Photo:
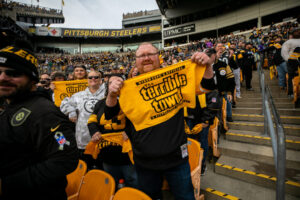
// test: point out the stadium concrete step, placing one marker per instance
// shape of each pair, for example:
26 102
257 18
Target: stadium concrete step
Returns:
259 104
260 118
216 186
258 94
258 111
257 173
289 112
255 83
292 142
258 153
259 99
289 129
273 88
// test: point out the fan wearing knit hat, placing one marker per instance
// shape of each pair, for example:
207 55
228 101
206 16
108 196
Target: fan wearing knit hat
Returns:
18 70
37 142
20 57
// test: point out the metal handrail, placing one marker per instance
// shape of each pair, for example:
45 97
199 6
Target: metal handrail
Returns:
277 137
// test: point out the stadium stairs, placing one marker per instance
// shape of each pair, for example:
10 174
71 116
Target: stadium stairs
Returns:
245 169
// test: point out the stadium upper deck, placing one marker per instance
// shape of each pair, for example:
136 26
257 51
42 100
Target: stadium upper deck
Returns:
185 21
179 24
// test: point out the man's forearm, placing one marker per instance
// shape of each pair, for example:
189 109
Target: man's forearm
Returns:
111 101
209 73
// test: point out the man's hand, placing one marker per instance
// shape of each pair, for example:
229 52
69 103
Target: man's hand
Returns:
202 59
125 137
229 97
204 125
114 86
96 137
219 54
52 86
73 119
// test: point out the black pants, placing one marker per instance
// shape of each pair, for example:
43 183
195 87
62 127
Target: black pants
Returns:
90 161
248 76
292 67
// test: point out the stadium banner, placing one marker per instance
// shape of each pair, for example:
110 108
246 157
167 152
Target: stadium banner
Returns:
160 94
65 89
110 33
179 30
48 31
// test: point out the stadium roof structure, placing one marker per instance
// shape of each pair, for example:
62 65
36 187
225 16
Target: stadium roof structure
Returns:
202 8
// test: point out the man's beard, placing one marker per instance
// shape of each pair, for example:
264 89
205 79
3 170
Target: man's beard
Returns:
19 92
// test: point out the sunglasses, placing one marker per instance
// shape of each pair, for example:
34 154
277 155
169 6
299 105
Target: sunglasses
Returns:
95 77
12 73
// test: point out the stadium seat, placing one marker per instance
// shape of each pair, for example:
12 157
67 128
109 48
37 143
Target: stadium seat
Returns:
296 88
213 137
273 72
128 193
96 185
266 64
195 160
224 114
75 178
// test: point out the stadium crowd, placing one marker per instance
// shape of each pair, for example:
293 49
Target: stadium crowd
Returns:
22 7
159 150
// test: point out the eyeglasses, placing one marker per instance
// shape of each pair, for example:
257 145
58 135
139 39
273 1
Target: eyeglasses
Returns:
12 73
95 77
145 55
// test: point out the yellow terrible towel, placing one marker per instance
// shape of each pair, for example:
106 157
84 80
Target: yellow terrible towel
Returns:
160 94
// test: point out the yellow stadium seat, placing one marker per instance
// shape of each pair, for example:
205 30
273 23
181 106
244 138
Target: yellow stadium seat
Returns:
296 88
96 185
224 114
266 64
213 137
195 161
74 179
128 193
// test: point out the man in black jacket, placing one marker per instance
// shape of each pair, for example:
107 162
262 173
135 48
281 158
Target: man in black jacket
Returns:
37 144
246 62
160 150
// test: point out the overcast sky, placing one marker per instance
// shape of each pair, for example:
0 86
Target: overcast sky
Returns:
98 14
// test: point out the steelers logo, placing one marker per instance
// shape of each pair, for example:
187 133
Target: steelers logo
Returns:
20 117
63 95
89 105
222 72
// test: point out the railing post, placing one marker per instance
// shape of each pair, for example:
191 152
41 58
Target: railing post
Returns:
272 133
280 183
278 141
263 87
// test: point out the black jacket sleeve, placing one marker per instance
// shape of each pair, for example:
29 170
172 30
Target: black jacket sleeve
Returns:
93 120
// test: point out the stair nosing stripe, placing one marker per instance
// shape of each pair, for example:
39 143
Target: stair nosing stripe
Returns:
296 184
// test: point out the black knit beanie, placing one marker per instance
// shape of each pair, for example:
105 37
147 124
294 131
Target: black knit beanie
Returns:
20 59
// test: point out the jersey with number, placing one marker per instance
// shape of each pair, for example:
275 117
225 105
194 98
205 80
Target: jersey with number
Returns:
110 152
224 57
